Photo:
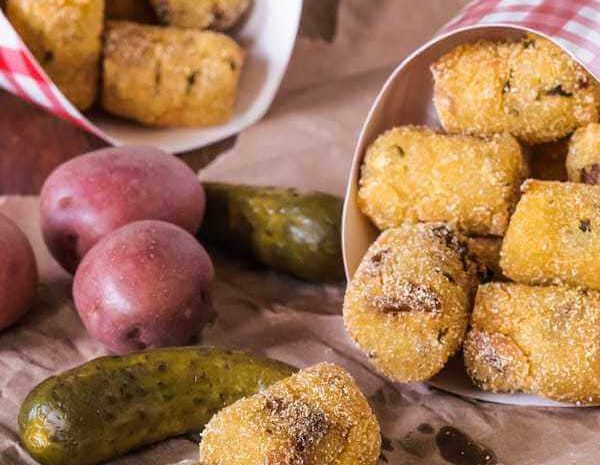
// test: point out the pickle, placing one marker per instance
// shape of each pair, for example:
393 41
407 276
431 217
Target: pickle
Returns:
111 405
284 229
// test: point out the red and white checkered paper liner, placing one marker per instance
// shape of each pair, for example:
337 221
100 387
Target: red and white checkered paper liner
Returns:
574 24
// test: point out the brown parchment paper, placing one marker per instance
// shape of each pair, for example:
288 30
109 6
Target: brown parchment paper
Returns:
307 141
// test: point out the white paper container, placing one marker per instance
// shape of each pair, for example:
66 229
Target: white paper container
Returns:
406 98
268 36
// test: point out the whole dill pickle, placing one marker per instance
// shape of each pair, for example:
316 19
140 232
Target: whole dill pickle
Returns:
293 232
111 405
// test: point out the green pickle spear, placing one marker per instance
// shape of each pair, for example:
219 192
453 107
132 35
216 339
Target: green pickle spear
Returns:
289 231
111 405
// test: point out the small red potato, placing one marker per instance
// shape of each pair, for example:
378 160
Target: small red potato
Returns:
90 196
18 273
144 285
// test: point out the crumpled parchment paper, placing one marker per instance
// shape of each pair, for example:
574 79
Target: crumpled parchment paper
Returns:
306 141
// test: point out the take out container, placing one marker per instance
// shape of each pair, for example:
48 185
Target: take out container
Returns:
406 98
268 35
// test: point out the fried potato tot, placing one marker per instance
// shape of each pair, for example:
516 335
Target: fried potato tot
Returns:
415 174
220 15
540 340
554 235
408 304
170 77
529 88
583 160
65 38
487 251
548 161
318 416
138 11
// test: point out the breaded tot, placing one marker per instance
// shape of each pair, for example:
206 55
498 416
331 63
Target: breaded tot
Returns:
65 38
583 160
415 174
170 77
540 340
487 251
408 304
529 88
138 11
316 417
548 161
220 15
554 235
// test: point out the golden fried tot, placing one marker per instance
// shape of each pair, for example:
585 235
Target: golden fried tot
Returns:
540 340
548 161
554 235
530 88
220 15
486 250
65 38
318 416
415 174
170 77
583 160
408 304
139 11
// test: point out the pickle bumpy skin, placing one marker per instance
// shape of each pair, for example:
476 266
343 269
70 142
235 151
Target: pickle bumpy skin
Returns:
293 232
111 405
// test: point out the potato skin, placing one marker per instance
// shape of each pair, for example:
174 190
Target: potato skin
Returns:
408 304
111 405
414 174
65 37
144 285
529 88
583 159
554 235
317 416
220 15
163 76
18 273
91 195
540 340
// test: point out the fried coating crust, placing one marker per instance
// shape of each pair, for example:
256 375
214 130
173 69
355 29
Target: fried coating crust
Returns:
170 77
583 160
548 161
529 88
65 38
408 304
138 11
220 15
487 251
540 340
554 235
316 417
415 174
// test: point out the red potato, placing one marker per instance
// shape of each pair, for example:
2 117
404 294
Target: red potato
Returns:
18 273
144 285
90 196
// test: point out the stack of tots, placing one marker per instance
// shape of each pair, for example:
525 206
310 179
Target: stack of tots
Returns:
154 62
473 254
